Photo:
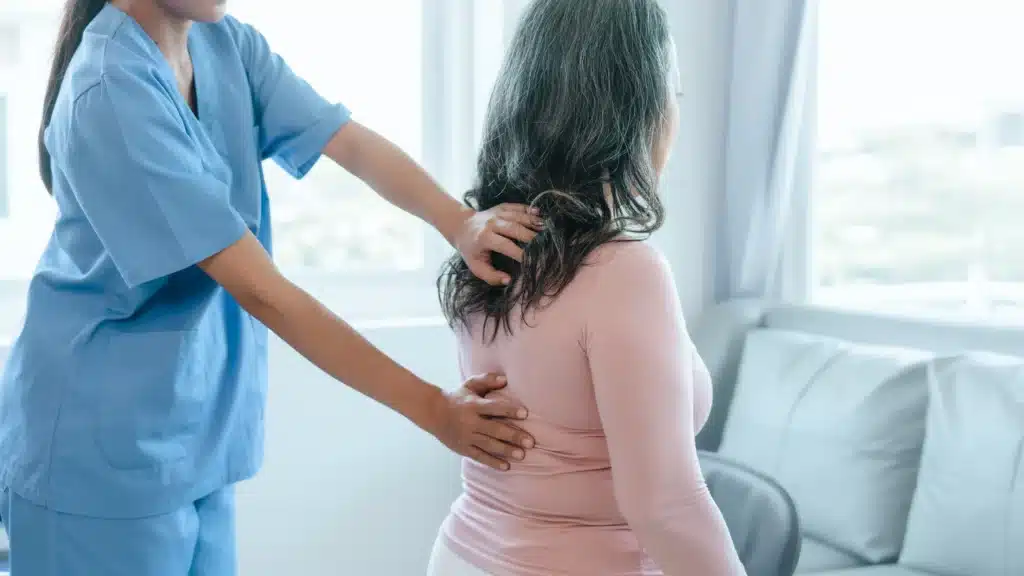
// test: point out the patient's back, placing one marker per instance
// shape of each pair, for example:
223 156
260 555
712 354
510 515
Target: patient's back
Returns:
556 511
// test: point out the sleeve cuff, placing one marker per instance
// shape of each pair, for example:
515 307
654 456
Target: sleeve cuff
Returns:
221 233
305 150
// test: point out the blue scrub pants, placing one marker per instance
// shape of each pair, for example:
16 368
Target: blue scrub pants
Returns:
196 540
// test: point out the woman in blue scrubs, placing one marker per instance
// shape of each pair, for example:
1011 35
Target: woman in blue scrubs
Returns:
133 399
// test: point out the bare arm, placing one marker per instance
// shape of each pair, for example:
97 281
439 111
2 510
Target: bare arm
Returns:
245 270
641 360
396 177
403 183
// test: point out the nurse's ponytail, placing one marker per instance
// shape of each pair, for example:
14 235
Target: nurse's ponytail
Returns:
77 15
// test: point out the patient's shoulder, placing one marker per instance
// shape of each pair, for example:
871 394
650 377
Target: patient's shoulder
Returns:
622 274
626 262
629 290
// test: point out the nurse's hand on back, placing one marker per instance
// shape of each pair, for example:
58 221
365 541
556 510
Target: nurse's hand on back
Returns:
133 398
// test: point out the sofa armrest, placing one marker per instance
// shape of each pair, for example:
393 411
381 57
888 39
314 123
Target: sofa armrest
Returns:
719 334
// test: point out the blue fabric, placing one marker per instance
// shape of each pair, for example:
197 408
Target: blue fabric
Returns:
137 384
197 539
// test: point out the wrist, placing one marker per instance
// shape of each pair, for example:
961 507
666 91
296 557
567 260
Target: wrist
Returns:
428 408
451 223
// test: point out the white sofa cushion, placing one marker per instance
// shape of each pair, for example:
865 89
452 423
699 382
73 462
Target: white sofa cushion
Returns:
967 517
818 557
840 426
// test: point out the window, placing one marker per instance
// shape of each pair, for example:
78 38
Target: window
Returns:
919 175
26 211
369 58
3 156
418 72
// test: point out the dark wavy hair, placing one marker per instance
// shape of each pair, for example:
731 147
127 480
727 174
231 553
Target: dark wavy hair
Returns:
76 18
578 105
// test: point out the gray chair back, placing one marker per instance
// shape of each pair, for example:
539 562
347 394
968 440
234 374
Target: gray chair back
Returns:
760 514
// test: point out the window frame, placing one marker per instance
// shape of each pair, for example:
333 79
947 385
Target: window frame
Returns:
5 180
12 290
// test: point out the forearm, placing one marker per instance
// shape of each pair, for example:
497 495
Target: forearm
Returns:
339 350
245 270
395 177
463 421
689 537
659 486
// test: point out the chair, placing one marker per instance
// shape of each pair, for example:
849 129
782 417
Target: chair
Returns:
760 514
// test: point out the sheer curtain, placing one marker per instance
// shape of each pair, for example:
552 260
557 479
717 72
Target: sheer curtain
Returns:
770 126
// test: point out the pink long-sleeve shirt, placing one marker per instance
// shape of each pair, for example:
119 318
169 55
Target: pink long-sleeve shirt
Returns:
616 393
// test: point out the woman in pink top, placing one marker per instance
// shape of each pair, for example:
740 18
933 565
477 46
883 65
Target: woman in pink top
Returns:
590 332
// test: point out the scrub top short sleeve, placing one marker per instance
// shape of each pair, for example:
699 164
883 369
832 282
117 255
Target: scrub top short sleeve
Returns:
142 182
295 122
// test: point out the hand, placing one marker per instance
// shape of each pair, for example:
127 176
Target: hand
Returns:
495 230
477 427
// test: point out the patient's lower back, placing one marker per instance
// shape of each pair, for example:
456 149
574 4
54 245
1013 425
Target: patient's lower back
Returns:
555 512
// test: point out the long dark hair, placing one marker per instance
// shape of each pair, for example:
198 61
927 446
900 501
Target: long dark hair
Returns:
77 15
580 100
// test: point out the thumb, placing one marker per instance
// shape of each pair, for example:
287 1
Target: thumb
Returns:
483 385
488 273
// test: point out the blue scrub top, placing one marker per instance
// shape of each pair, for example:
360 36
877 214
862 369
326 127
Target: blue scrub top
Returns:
138 384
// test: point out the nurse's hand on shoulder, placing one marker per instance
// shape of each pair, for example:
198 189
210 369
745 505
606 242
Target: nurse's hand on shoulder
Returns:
482 428
495 230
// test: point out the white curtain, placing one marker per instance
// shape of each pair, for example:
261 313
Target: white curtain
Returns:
768 145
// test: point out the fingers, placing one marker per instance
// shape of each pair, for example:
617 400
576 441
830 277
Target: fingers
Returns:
503 245
521 214
488 273
506 433
521 208
514 230
482 431
499 449
501 409
512 222
486 459
484 384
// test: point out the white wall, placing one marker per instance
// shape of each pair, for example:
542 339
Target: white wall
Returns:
349 488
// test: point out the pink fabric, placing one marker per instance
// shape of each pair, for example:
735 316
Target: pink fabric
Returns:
616 393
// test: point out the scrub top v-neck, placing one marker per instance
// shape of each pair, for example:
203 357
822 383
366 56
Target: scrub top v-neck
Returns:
137 383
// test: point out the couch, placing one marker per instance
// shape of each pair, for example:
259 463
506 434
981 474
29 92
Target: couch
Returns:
901 441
